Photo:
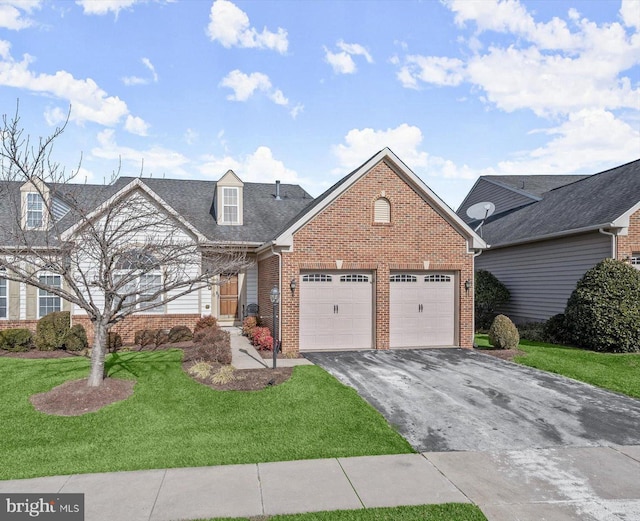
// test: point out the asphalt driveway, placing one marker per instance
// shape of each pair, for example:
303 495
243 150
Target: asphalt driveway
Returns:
462 400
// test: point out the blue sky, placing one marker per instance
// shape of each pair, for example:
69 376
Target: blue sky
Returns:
305 91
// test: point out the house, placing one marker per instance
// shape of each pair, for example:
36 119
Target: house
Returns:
377 261
547 231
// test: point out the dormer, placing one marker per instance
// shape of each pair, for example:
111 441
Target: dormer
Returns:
34 200
229 197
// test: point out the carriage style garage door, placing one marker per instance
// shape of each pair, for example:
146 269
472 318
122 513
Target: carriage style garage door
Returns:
422 309
336 310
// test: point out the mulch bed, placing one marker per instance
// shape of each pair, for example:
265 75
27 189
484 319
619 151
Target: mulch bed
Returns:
503 354
75 398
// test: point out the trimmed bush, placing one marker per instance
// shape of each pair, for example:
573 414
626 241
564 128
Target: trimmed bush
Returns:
16 340
533 331
603 312
52 330
162 337
503 333
489 295
204 323
114 342
555 330
262 338
248 324
145 337
180 334
76 338
213 345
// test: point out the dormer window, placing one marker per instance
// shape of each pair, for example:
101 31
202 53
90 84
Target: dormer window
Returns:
35 211
230 206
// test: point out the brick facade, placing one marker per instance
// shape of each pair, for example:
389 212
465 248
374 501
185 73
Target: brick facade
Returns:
630 243
344 231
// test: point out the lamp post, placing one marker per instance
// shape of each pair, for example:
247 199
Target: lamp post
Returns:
274 296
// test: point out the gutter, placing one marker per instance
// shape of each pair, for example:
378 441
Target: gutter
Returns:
555 235
614 242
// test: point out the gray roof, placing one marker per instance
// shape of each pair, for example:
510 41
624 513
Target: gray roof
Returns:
595 200
263 215
535 184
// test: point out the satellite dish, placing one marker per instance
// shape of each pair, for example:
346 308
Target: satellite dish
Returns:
480 211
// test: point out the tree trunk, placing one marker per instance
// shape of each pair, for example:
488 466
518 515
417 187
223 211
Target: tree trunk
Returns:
98 352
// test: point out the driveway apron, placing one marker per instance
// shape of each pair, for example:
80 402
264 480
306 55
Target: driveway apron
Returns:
462 400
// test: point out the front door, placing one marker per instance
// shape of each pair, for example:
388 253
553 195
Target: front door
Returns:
229 297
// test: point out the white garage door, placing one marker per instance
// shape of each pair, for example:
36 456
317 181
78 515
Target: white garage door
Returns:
336 311
422 309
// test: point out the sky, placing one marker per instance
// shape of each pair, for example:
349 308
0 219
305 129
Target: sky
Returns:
305 91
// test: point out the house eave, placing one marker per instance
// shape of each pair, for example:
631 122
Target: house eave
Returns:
558 235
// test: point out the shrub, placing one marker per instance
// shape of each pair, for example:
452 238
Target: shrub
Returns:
162 337
204 323
248 324
262 338
51 330
533 331
76 338
224 375
555 330
603 312
503 333
180 334
490 294
16 340
114 342
145 337
214 345
201 369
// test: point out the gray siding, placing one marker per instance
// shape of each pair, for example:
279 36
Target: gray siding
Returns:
542 275
503 198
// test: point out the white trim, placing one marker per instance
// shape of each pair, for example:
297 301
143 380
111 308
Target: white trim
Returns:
6 294
50 295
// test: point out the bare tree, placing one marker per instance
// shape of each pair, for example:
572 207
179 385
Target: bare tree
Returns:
110 250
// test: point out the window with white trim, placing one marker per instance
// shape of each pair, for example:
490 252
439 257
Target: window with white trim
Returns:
230 205
316 277
144 279
35 210
4 304
403 277
382 210
635 260
354 277
437 278
47 301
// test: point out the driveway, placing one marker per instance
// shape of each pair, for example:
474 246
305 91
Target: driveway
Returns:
461 400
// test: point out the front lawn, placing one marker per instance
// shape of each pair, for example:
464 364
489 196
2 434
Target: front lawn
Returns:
173 421
613 371
444 512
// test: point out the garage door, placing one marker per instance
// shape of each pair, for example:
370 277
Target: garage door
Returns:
336 310
422 309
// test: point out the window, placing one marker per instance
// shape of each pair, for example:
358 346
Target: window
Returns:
143 279
382 211
230 209
3 295
48 302
354 278
437 278
635 260
403 278
316 277
34 211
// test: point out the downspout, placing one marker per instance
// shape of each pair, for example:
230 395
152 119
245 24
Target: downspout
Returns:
614 237
280 290
473 299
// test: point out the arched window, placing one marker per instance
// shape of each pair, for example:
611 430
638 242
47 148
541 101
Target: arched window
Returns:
382 210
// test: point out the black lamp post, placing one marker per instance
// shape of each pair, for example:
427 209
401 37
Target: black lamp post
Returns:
274 296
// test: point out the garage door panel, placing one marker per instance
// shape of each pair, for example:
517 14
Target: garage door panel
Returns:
336 311
422 310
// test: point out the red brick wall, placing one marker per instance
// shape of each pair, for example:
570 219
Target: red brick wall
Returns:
345 231
628 244
267 278
23 324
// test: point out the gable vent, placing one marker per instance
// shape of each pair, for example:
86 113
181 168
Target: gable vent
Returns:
382 210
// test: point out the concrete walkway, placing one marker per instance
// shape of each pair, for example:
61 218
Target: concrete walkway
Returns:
245 356
561 484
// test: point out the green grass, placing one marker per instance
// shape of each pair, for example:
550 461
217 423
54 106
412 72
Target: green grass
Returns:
445 512
173 421
613 371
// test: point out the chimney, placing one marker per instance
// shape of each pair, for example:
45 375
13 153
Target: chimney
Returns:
278 198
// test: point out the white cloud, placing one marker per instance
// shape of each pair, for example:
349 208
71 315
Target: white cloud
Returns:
191 136
14 14
297 109
431 69
258 167
88 101
154 161
102 7
630 13
244 86
136 125
342 62
137 80
229 25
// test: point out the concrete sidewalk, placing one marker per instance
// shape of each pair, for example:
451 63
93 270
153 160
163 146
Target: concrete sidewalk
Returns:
561 484
245 356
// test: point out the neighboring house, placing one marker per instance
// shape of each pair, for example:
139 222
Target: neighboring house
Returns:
547 231
377 261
